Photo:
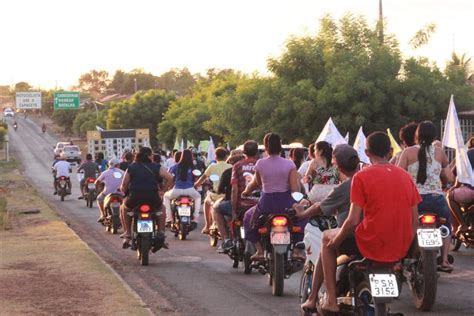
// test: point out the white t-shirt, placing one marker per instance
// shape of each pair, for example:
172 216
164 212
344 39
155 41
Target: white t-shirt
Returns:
62 168
169 163
304 167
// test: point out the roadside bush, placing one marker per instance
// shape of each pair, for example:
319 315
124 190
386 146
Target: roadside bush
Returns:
3 132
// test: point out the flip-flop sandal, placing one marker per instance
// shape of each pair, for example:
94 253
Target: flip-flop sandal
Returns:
313 309
256 258
445 269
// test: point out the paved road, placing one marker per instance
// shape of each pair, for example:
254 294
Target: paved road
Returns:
190 277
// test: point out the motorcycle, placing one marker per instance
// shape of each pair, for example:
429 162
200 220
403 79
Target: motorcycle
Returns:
277 240
214 235
90 193
312 246
465 238
63 187
15 126
420 265
183 214
145 236
363 286
112 203
43 129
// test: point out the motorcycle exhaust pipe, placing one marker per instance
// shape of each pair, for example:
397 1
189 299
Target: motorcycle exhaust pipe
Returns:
444 231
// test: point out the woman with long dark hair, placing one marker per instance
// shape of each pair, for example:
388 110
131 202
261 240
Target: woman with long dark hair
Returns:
428 165
140 183
321 174
184 184
277 177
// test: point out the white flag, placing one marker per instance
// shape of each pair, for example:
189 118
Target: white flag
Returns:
100 129
346 138
211 150
181 147
360 146
331 135
452 138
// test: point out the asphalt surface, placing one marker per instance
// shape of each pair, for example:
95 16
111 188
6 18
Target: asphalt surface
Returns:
191 278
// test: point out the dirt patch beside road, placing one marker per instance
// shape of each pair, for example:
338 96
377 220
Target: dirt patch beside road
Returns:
45 268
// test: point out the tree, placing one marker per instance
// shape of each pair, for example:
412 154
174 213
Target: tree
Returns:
5 90
94 82
124 83
22 87
459 68
87 121
179 81
65 119
143 110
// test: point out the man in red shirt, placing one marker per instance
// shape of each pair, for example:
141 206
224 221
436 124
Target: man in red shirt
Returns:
388 199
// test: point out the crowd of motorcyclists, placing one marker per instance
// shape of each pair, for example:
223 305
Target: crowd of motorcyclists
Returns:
377 205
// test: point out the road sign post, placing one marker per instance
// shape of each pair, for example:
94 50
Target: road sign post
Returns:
66 100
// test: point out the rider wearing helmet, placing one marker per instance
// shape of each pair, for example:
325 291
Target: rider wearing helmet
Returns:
111 178
61 169
90 170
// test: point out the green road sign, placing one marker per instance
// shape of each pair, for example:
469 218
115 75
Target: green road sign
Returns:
66 100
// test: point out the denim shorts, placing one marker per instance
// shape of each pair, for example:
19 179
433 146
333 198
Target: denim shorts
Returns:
437 204
224 207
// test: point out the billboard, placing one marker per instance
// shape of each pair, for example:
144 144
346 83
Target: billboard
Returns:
28 100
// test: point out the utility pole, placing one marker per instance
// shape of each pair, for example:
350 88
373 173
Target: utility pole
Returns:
135 81
380 24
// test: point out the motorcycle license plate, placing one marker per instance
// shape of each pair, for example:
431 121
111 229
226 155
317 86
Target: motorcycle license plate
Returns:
145 226
429 237
242 232
91 186
383 285
280 238
114 204
184 211
62 183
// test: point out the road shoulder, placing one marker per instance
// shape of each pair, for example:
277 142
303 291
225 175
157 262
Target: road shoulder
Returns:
45 268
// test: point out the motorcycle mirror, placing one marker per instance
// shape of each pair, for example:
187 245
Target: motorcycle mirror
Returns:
214 178
117 175
197 173
297 196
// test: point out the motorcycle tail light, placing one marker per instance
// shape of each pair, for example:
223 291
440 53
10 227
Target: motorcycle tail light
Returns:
115 200
238 223
184 200
145 215
145 208
428 219
62 178
442 220
90 180
296 229
263 231
279 221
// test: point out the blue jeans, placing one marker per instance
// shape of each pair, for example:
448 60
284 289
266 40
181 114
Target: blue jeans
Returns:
437 204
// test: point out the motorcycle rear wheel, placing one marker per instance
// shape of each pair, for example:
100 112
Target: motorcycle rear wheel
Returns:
455 243
426 282
115 225
62 198
278 274
183 232
305 287
247 263
144 249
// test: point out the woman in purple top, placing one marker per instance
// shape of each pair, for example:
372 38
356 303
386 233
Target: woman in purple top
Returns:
278 179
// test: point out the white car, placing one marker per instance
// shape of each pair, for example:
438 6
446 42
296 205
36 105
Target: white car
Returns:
59 147
8 113
72 153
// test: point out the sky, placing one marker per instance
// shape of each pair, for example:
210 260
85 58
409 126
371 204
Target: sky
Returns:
51 42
